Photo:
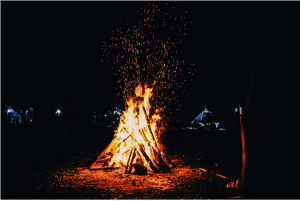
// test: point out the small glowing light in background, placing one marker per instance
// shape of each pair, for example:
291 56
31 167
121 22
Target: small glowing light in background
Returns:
217 124
9 110
58 111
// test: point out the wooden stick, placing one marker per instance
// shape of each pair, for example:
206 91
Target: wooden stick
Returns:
144 137
149 145
118 145
141 151
107 149
149 127
162 155
126 138
165 160
130 161
105 168
112 150
145 157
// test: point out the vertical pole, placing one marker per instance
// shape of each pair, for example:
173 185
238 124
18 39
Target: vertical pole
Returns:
242 147
242 118
243 154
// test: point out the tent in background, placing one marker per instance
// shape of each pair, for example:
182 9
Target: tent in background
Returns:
205 121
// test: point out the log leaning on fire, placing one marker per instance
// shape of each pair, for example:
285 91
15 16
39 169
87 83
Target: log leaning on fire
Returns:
106 150
130 161
161 154
149 127
157 160
145 157
142 153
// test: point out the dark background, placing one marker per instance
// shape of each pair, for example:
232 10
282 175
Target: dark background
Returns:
50 57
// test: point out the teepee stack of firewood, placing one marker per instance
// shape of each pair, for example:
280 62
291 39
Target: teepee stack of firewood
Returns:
135 145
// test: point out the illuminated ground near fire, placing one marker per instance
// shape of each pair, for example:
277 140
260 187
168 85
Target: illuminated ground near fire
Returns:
186 181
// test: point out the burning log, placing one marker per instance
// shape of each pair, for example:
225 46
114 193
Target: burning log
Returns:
161 155
141 132
149 127
152 163
140 148
141 145
130 161
105 160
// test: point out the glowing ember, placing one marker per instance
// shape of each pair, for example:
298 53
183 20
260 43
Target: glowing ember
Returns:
146 52
136 140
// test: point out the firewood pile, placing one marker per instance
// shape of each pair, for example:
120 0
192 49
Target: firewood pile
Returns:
136 143
144 154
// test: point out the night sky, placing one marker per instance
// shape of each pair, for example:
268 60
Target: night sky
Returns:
50 55
51 51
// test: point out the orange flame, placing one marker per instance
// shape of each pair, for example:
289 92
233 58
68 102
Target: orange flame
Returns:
137 127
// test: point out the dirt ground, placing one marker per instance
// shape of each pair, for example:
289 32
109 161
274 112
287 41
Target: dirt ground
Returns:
42 174
184 181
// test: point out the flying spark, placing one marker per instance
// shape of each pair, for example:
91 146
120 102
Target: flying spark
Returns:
146 53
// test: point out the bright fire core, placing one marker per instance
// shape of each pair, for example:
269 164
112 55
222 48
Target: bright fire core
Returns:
137 136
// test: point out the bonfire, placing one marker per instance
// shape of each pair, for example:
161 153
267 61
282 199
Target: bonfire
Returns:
136 144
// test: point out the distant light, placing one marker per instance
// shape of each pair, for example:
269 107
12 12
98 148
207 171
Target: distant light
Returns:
217 125
118 110
58 112
9 110
105 115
